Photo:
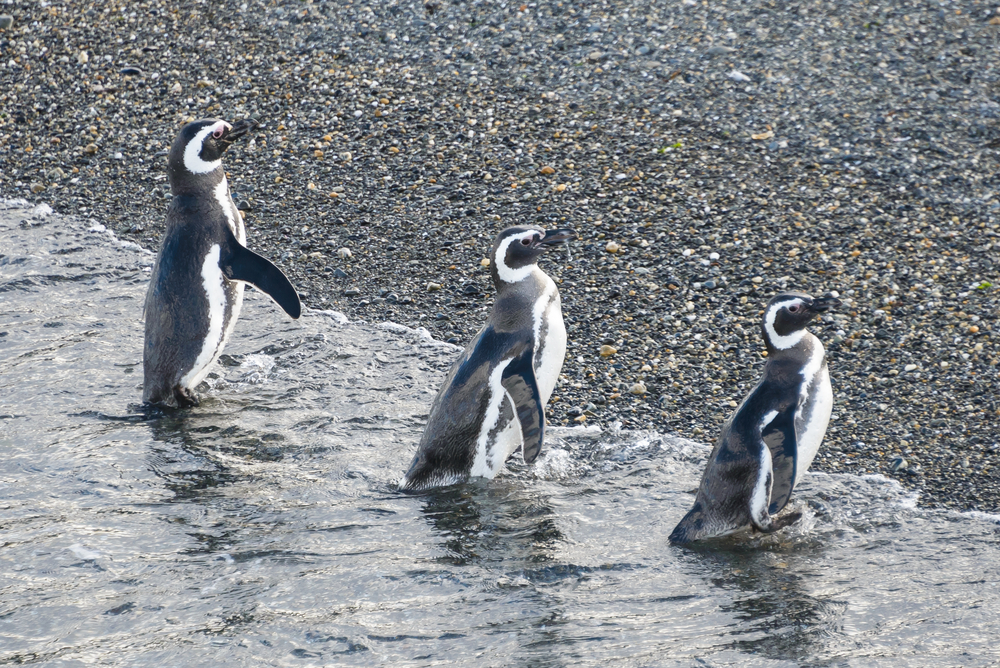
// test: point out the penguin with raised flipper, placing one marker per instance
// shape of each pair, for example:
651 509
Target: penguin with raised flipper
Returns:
770 441
493 399
196 288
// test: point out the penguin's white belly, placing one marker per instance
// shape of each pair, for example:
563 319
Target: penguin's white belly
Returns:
224 300
812 419
550 351
499 431
503 441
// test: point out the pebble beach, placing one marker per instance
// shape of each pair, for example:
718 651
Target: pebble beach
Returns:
709 154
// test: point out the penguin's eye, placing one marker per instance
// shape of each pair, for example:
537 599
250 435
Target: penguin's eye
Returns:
793 309
525 242
217 134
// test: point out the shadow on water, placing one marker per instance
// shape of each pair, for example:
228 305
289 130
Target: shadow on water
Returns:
767 592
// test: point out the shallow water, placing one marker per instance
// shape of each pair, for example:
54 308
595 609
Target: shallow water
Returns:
262 528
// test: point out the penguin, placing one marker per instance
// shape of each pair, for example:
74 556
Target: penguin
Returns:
493 399
767 445
196 287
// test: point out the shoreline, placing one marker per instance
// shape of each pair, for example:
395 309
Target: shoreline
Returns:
724 153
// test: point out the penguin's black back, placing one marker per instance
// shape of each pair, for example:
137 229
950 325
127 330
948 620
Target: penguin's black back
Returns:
176 322
458 410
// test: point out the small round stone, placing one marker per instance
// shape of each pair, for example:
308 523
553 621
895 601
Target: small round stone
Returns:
344 253
607 351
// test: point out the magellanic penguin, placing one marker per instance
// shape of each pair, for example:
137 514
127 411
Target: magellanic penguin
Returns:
770 441
493 399
196 289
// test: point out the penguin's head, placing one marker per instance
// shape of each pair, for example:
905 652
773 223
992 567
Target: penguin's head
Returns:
200 144
788 314
517 249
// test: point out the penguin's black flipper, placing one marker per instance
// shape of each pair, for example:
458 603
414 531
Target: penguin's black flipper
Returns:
238 263
519 381
779 436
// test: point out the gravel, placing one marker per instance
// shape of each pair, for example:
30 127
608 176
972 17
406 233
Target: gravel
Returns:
709 154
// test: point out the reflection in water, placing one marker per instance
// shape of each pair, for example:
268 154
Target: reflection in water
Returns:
766 581
492 522
510 529
195 453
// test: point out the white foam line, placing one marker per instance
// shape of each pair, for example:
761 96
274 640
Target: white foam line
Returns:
420 332
42 210
16 203
336 316
127 245
574 431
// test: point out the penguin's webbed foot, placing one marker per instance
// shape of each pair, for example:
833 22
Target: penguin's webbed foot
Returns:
185 398
776 524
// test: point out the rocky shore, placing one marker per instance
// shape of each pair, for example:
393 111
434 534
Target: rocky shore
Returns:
708 153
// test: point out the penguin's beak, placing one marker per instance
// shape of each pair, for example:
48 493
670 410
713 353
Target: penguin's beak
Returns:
556 237
824 303
237 130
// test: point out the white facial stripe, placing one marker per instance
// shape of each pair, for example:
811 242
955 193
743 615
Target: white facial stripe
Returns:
505 273
761 491
782 342
192 152
212 281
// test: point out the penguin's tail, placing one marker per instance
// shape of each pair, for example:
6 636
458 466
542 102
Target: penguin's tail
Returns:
691 528
427 472
413 478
